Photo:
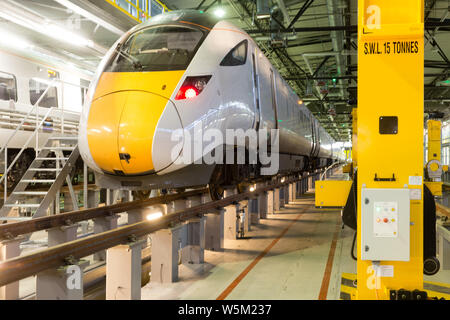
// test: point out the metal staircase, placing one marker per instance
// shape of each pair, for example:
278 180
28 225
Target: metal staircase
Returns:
26 202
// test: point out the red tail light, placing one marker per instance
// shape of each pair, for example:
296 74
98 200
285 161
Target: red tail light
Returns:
192 87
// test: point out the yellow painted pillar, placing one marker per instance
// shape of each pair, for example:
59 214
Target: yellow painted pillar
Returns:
390 141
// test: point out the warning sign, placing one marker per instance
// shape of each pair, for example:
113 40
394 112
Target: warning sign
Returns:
391 47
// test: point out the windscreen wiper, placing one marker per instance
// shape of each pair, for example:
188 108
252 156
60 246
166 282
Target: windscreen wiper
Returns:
136 63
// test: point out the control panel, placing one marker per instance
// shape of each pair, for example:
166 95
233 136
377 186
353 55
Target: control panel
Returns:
385 217
385 222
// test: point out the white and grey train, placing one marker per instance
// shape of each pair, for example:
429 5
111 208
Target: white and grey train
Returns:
23 80
187 70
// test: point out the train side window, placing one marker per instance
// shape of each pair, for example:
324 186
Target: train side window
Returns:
8 87
37 88
237 56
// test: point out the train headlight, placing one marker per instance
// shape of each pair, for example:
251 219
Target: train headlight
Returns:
192 87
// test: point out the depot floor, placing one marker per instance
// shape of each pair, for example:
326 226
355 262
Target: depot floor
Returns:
289 256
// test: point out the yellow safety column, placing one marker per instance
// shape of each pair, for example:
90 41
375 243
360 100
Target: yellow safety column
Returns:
390 146
434 167
355 137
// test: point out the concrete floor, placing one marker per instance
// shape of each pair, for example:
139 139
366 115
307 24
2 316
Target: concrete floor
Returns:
293 269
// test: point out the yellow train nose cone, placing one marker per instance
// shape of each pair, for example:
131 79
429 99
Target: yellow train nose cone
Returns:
121 129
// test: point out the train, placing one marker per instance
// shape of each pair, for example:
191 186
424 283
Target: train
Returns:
23 79
188 71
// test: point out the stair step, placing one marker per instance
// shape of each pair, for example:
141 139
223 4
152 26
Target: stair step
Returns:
17 219
74 138
38 181
51 159
44 170
23 205
30 193
59 148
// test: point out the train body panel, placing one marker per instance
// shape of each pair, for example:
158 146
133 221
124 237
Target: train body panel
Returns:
22 81
221 81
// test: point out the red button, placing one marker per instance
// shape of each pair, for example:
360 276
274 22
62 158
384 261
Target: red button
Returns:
385 220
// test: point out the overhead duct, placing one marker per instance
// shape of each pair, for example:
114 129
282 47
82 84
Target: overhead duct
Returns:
262 9
337 38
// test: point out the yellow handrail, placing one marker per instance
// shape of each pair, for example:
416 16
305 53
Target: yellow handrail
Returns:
141 12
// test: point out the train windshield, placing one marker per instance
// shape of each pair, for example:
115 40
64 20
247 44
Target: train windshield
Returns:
160 48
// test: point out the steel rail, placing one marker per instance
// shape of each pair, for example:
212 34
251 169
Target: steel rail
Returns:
25 266
10 231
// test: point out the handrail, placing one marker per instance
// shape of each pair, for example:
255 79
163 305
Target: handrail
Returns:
25 146
326 170
36 105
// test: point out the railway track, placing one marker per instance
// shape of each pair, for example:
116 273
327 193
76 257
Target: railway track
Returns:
22 267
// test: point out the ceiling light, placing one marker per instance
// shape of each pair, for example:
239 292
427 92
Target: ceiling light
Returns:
219 12
51 30
10 40
69 5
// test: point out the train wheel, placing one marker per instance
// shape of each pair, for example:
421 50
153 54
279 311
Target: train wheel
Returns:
216 191
242 187
141 194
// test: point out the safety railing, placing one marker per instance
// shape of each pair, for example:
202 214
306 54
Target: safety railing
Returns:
31 122
139 10
329 171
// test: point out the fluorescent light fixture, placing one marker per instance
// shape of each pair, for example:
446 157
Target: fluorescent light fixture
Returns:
154 216
219 12
50 30
10 40
69 5
67 36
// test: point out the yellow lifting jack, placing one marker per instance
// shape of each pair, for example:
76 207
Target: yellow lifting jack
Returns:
395 240
434 168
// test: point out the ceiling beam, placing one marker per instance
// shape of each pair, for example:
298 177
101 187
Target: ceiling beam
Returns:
300 12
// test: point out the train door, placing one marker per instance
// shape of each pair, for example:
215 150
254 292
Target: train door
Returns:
274 97
256 91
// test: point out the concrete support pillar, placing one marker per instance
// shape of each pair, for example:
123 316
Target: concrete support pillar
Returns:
286 194
231 222
137 215
282 196
263 205
123 272
276 200
194 201
230 218
104 224
270 201
254 210
292 192
165 246
176 206
10 249
68 203
214 231
93 198
245 215
60 235
194 251
64 283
